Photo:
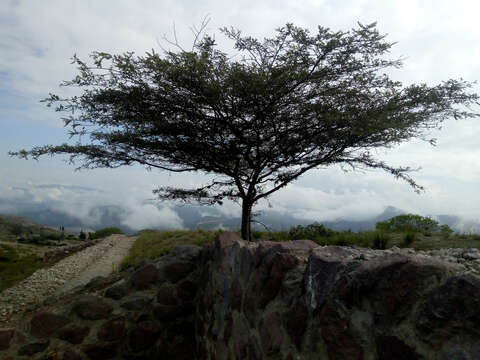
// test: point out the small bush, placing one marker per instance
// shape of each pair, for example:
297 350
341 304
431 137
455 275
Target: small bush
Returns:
445 231
409 238
311 232
380 241
7 253
104 233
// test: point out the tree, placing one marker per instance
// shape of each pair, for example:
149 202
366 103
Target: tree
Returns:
257 120
413 223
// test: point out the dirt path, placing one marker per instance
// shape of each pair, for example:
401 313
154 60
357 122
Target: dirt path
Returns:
97 260
104 266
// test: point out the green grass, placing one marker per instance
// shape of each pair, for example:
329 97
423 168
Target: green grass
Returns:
16 265
153 244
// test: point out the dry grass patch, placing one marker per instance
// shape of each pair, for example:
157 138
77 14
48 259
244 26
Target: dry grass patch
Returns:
153 244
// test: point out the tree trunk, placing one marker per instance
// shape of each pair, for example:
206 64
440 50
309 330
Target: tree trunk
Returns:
246 220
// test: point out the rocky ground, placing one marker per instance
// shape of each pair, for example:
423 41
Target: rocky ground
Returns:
75 270
468 257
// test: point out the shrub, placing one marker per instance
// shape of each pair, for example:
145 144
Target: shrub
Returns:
445 231
380 241
409 238
414 223
311 232
82 235
409 222
7 253
104 233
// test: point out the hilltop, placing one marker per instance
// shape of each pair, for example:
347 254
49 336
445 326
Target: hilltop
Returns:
13 227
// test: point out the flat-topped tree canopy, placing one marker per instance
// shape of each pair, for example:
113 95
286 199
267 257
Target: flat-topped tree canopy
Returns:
258 120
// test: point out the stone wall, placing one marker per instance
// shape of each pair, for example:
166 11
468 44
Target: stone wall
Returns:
237 300
295 300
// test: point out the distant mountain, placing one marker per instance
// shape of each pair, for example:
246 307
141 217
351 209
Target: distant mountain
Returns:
195 217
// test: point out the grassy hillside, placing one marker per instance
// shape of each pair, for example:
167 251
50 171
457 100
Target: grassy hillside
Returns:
17 263
19 259
14 227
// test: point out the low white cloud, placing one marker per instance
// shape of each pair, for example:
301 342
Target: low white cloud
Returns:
148 216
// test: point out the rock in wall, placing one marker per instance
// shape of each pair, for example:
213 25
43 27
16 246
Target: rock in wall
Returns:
237 300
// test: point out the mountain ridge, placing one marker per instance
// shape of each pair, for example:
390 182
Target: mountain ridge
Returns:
201 217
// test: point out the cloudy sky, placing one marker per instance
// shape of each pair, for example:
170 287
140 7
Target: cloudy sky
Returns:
438 39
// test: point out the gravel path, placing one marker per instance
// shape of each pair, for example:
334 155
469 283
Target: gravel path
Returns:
103 266
97 260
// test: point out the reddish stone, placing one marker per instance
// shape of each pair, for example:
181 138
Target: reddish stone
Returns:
221 351
137 303
226 239
74 335
71 355
246 262
341 343
100 351
33 348
297 245
165 295
44 324
92 308
169 313
6 337
394 284
144 335
270 249
271 333
296 323
200 327
186 290
111 330
227 332
144 277
116 292
241 338
250 305
279 264
236 294
451 310
177 271
323 270
254 350
392 348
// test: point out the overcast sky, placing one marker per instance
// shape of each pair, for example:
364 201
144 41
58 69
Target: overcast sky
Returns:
438 39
